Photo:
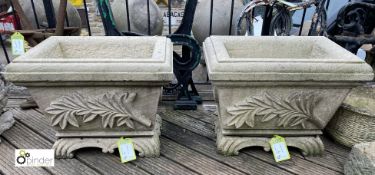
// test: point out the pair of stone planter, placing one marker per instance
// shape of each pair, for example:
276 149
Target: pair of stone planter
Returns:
98 89
288 86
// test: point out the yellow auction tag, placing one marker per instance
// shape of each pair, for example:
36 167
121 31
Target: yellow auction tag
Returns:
126 149
18 45
279 148
76 3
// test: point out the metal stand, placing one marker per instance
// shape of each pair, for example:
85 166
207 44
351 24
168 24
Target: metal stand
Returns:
355 22
183 65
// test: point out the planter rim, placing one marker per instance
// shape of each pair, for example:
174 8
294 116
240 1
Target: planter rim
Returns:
336 65
37 66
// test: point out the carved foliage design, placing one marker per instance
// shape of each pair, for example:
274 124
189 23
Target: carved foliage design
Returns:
113 108
294 110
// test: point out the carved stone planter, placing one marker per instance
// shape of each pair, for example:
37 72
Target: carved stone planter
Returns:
289 86
96 89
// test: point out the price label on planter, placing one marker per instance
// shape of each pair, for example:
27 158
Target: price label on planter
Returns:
279 149
18 44
126 149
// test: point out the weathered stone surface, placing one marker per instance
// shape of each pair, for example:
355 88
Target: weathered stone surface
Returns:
97 87
266 86
362 99
92 60
3 91
6 118
220 18
146 146
6 121
138 15
73 16
354 122
230 145
361 160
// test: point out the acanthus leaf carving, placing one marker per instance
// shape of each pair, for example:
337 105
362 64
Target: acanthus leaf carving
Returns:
113 108
292 111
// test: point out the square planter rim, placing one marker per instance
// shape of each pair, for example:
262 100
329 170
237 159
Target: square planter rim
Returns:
33 55
30 68
340 66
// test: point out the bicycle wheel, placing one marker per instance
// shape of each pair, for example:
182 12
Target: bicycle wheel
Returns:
246 17
281 22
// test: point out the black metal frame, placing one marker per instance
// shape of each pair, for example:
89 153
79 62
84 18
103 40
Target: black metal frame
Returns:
183 65
355 22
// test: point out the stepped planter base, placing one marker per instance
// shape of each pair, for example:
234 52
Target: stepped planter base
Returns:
266 86
146 146
231 145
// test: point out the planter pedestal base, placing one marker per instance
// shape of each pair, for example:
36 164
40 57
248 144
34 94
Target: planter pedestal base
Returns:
231 145
147 146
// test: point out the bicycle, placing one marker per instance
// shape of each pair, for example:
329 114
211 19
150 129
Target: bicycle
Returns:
281 22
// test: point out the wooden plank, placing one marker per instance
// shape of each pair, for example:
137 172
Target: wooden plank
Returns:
192 159
36 121
46 142
14 103
7 166
107 163
197 114
200 115
243 162
336 148
328 160
297 164
161 165
24 138
205 95
17 96
194 125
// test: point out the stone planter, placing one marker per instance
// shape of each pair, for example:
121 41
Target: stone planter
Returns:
289 86
96 89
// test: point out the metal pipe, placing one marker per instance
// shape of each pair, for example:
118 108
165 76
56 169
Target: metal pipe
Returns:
302 22
4 49
67 19
127 14
35 15
87 17
148 17
211 13
231 17
327 5
169 16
